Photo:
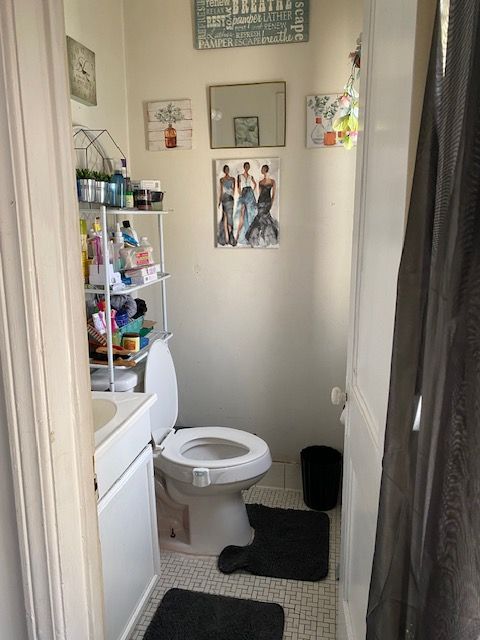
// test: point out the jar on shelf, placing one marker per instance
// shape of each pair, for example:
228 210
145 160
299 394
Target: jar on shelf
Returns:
86 189
142 199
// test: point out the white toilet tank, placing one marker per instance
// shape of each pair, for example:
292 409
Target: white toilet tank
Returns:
160 378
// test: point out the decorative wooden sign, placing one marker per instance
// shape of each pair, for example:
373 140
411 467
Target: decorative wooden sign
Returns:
222 24
81 71
169 124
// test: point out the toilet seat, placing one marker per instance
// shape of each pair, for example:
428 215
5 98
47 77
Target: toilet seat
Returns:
230 455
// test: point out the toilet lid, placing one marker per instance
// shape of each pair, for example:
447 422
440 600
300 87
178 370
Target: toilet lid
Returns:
160 378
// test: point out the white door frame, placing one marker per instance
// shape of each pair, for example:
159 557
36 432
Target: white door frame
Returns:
44 373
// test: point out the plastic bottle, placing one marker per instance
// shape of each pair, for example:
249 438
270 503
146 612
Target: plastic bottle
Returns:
91 235
84 248
96 243
117 188
118 245
144 252
129 231
129 203
123 163
127 256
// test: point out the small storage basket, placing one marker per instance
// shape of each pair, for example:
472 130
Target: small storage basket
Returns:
134 326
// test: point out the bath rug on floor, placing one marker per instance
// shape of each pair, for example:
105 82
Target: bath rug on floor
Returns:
288 543
190 615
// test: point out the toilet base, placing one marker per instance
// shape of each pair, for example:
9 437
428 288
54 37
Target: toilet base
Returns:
202 525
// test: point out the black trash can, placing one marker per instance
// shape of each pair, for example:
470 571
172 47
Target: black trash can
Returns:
321 473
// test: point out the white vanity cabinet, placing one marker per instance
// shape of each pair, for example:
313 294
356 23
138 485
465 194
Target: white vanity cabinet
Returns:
126 510
129 543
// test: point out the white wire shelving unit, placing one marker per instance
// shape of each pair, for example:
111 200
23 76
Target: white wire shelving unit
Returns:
107 291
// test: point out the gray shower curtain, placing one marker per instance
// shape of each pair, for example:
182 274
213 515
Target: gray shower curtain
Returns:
426 573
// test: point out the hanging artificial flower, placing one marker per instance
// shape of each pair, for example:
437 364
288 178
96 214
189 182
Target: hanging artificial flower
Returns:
347 122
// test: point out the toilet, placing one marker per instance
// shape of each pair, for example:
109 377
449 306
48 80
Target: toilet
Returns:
200 472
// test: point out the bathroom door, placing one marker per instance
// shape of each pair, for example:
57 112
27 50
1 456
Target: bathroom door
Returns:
381 199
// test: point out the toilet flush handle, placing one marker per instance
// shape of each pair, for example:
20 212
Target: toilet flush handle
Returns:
201 477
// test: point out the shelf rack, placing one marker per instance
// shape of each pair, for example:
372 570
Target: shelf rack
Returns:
107 291
142 354
129 288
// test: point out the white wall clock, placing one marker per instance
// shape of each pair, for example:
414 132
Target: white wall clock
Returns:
81 71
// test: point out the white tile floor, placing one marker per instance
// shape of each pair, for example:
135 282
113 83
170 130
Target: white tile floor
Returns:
310 607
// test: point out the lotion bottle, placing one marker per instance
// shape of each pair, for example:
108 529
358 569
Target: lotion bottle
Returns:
118 245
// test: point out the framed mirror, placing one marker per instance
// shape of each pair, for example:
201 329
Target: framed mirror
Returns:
247 115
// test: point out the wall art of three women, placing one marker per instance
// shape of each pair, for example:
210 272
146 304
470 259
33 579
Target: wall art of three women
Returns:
246 200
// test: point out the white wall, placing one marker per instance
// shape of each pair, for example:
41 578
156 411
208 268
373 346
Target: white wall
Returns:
259 336
99 26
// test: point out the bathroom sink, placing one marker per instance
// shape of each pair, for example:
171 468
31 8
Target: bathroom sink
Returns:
103 412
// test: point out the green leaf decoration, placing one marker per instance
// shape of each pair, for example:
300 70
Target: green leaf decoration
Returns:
169 114
341 124
347 143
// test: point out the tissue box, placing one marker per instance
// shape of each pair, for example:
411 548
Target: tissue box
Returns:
139 280
151 185
97 275
147 270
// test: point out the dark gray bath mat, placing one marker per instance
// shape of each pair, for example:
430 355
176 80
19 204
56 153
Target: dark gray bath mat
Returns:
288 543
190 615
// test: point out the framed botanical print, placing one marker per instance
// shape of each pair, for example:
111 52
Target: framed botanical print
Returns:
246 131
81 72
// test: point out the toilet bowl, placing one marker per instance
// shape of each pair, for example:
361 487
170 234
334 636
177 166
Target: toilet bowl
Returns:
204 470
200 472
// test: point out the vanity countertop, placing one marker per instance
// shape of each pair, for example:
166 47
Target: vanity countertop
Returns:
114 413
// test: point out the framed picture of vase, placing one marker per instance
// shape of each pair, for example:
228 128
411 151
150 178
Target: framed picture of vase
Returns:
247 200
169 124
322 111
